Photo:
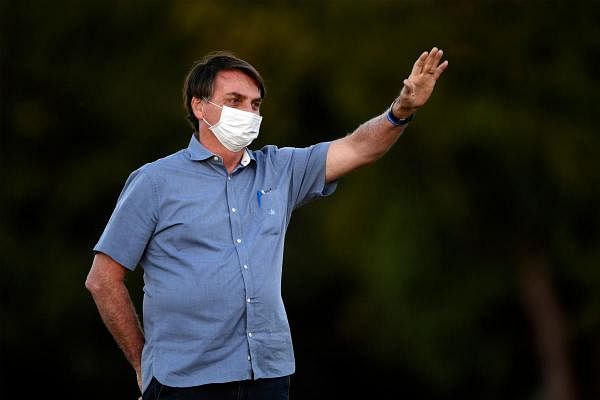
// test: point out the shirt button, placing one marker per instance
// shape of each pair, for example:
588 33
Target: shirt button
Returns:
239 240
216 158
233 209
228 178
245 266
249 334
248 358
248 300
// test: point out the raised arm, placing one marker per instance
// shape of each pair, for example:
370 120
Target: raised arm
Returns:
372 139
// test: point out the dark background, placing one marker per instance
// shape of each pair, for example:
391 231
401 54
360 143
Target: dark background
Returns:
464 264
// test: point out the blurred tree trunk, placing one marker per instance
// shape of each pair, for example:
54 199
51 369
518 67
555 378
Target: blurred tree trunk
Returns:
548 327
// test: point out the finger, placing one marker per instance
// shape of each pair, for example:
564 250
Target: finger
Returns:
438 57
432 68
440 69
418 67
430 63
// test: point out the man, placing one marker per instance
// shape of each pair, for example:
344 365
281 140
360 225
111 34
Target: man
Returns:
207 224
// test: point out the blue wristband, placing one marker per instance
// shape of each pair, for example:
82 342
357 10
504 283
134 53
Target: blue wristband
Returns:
398 121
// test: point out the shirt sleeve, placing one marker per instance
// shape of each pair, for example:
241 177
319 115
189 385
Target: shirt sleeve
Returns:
308 174
132 222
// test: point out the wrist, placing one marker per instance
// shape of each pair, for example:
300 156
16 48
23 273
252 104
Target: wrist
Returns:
401 118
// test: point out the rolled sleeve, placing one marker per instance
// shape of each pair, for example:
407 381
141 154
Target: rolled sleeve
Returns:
132 222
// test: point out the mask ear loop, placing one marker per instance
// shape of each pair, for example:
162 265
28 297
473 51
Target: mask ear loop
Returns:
214 104
202 110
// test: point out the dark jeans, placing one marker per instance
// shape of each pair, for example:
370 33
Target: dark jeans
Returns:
260 389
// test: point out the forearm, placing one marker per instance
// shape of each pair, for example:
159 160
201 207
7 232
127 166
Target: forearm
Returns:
118 313
369 142
372 139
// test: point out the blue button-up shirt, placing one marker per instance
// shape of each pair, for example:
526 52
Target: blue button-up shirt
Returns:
211 246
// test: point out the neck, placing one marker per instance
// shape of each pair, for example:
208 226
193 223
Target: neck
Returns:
209 140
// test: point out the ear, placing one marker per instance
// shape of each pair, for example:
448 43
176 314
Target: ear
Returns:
198 108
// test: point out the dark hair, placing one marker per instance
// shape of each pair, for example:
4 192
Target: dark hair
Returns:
199 82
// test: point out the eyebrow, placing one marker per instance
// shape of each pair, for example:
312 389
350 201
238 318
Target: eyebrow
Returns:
236 94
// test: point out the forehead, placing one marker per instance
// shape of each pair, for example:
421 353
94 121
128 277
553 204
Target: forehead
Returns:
234 81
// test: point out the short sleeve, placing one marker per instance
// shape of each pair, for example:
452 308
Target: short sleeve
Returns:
308 174
132 222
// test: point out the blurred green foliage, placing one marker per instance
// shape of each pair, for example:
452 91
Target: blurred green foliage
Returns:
405 281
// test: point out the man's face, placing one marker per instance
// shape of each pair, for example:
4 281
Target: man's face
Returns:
233 89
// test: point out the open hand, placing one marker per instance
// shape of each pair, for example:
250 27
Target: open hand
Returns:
419 85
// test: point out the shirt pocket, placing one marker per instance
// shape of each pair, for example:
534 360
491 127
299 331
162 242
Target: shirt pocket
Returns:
269 211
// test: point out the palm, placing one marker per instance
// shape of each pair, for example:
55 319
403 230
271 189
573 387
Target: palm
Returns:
419 85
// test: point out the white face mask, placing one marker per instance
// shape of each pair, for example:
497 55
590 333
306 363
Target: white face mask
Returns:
236 129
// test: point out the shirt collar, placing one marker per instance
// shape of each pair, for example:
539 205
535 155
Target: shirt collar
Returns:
246 158
198 152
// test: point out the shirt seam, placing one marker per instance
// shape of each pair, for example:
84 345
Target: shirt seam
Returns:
156 197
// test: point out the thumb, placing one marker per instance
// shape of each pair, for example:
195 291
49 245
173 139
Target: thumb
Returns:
408 89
